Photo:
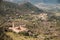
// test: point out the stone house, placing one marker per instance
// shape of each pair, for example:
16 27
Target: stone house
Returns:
17 29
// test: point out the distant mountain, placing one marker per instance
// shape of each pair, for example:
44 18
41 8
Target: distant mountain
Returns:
29 7
24 7
49 7
38 1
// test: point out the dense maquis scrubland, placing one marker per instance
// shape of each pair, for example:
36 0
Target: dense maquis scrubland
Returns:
27 22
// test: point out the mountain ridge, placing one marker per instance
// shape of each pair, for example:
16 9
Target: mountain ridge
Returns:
12 10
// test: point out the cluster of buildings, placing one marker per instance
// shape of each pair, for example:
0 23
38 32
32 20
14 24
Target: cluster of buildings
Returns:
43 16
17 29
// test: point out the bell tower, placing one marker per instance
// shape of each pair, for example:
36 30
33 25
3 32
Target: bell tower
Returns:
12 24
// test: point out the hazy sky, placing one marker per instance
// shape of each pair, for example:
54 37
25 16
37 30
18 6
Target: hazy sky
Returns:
38 1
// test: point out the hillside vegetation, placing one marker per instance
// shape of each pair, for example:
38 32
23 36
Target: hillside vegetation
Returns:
42 25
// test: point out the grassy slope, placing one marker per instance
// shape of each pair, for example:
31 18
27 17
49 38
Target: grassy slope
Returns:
19 37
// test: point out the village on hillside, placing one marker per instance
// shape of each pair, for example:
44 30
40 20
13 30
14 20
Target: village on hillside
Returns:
37 28
25 21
